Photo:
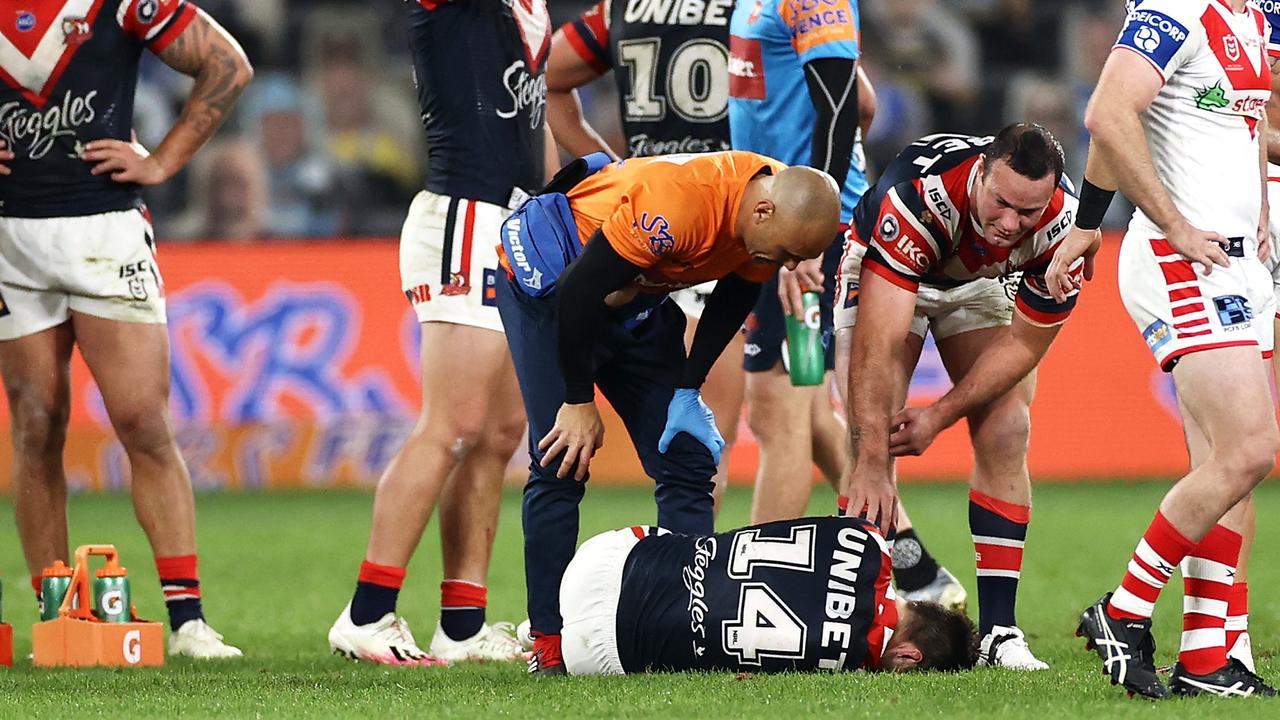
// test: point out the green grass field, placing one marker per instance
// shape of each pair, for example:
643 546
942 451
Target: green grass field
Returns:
277 568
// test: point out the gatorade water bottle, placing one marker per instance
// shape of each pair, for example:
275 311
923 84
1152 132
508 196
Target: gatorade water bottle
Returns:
806 361
111 594
53 587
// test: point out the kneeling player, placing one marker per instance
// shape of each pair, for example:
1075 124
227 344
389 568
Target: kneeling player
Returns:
793 595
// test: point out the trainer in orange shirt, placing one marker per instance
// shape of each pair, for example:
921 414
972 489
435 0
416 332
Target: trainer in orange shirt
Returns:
590 263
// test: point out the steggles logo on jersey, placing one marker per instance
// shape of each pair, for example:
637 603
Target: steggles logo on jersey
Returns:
36 131
526 91
694 574
641 145
75 31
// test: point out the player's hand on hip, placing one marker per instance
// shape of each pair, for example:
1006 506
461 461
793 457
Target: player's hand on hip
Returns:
126 162
5 156
914 429
872 495
687 413
1077 244
792 284
578 433
1202 247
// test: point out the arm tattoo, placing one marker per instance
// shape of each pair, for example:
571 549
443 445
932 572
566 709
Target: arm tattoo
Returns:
206 53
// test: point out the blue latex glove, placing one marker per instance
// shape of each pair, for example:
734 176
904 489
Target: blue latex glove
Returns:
688 414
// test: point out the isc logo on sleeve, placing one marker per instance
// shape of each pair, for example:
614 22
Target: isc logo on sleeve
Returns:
1153 34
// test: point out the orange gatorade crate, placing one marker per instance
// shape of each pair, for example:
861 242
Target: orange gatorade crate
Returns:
113 635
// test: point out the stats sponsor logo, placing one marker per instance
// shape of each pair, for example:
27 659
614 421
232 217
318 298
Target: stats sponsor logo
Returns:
659 231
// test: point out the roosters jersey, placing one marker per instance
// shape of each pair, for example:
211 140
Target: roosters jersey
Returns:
919 226
806 594
1202 126
480 70
770 111
670 61
69 69
673 216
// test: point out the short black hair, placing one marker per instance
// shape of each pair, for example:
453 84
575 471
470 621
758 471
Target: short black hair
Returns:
947 639
1030 149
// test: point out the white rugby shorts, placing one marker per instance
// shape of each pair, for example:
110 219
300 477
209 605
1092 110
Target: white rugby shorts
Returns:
102 265
449 260
589 593
946 312
1179 310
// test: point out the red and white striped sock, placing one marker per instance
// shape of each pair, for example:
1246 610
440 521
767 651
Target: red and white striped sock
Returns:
1159 551
1208 573
1237 613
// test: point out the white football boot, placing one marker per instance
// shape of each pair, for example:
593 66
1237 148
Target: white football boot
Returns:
387 641
524 635
1007 647
496 642
945 590
195 639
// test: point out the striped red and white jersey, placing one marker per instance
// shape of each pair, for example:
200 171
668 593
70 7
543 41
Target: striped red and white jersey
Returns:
1202 126
919 227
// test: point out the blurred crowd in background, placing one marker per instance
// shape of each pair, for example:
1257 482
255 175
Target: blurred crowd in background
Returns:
327 141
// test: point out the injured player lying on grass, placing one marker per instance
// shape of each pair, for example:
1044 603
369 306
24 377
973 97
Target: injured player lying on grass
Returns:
797 595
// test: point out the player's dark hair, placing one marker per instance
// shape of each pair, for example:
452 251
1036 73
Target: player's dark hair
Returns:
947 638
1030 149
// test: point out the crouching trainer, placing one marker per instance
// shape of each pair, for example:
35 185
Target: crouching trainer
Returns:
589 263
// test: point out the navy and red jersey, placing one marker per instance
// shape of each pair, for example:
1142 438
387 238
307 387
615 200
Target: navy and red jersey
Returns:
919 227
70 68
671 64
805 594
480 70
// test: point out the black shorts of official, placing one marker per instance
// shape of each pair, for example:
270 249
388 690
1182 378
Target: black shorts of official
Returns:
766 326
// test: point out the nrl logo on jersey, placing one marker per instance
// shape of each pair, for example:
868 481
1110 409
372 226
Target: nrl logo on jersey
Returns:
37 131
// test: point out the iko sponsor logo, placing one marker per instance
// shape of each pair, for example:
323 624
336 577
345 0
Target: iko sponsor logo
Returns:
528 93
679 12
35 132
912 252
694 575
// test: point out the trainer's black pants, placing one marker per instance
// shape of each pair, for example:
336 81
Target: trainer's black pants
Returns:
637 370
